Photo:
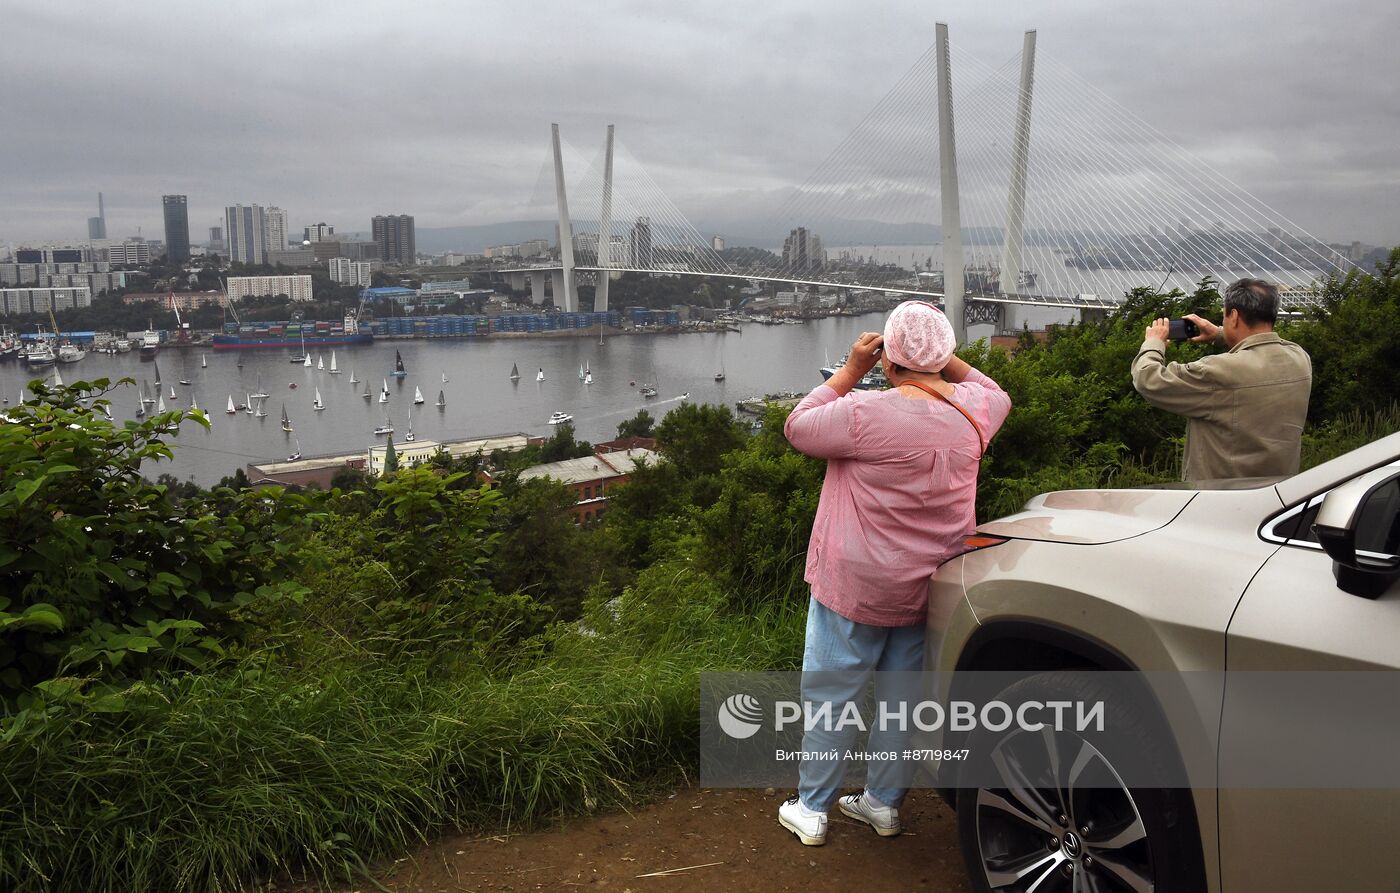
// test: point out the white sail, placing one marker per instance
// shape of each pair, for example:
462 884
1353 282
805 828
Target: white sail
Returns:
230 404
588 378
384 393
193 404
540 376
320 362
580 372
409 435
203 361
353 379
160 406
417 394
334 370
248 403
262 410
317 402
57 379
444 378
306 361
172 393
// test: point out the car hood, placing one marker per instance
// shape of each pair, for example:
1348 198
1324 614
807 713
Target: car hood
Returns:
1089 517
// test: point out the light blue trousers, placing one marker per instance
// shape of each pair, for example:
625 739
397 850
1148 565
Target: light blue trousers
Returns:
837 663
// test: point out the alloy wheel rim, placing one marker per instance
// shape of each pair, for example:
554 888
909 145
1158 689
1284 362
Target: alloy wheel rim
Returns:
1059 819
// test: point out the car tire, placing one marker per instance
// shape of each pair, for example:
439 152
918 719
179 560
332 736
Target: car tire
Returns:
1139 837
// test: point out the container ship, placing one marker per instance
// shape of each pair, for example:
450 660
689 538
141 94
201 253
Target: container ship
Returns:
295 334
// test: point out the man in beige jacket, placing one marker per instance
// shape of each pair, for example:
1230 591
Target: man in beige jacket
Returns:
1245 407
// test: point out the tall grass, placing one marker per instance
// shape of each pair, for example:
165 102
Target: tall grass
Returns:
211 782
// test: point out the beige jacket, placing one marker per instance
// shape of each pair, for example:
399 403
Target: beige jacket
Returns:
1246 407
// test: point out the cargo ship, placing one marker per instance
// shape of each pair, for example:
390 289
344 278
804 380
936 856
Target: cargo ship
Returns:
294 334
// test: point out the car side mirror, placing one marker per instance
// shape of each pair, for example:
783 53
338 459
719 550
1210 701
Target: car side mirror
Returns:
1358 525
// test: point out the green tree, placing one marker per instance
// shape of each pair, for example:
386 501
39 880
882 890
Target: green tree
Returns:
695 436
104 575
391 458
640 425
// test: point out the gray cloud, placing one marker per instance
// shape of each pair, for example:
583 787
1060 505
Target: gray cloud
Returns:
338 111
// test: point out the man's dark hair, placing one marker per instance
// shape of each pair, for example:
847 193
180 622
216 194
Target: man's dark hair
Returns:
1255 299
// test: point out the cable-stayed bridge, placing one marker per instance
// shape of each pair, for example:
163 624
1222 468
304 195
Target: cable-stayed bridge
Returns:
1046 193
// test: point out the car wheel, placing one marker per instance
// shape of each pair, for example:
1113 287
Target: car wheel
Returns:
1057 815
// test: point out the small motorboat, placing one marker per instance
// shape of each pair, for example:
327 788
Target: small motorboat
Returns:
186 381
560 418
719 376
292 385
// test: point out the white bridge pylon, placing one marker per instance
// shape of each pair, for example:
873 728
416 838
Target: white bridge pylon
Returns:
1099 204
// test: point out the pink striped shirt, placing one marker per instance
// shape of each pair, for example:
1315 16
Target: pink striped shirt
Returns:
899 494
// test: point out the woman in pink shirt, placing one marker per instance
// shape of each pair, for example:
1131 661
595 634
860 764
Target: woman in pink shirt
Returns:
898 499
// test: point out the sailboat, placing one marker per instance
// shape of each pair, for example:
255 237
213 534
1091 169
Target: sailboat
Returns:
442 400
302 357
409 435
230 410
172 394
203 361
193 405
444 378
260 393
353 379
417 395
384 392
146 399
333 369
366 393
540 376
296 453
386 428
514 372
160 406
262 410
140 408
719 376
286 422
57 379
587 376
398 366
240 362
580 372
320 362
306 361
248 403
317 404
157 362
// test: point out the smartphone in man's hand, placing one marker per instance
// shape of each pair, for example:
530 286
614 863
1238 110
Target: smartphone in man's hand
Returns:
1182 330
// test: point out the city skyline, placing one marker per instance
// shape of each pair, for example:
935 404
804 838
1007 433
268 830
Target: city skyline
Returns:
1311 140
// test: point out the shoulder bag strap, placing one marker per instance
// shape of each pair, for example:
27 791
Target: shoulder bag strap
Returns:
981 440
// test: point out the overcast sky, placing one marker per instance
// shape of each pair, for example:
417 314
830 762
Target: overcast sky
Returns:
337 111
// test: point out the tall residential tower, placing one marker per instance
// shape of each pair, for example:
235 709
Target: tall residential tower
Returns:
246 231
177 227
394 233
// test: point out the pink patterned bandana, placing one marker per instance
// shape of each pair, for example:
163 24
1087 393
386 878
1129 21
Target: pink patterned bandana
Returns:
918 336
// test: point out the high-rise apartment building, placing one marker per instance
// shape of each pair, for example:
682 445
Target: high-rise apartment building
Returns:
349 272
295 287
246 229
216 238
394 233
132 252
639 248
318 232
177 227
97 226
276 229
803 252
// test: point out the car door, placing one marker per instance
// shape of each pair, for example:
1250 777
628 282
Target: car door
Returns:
1294 617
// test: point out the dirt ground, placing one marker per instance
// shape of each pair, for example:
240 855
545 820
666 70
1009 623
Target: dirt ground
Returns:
727 839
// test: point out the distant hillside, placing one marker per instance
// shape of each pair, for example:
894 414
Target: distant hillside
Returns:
760 233
472 239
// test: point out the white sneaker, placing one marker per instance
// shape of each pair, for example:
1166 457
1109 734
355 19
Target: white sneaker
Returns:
810 827
884 819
